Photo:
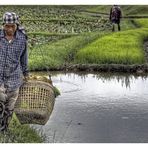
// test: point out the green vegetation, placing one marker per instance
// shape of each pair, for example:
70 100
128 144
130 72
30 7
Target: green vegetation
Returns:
142 22
56 54
18 133
136 10
51 34
96 9
63 52
56 91
127 24
63 35
106 50
119 48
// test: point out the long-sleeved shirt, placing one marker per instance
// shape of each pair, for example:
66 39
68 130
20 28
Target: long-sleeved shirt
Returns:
115 13
13 60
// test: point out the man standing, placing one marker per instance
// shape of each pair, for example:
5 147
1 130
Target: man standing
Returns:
13 65
115 16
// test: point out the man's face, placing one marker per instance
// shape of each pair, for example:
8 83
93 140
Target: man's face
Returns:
10 29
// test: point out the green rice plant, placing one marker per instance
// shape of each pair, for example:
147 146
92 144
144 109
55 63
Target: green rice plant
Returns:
142 22
135 10
119 48
127 24
51 34
57 54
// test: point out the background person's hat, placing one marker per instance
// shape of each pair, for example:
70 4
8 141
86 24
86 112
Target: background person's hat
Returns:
10 18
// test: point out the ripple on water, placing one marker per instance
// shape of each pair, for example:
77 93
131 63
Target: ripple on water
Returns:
111 108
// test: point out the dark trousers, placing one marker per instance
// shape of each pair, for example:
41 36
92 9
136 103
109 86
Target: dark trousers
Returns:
113 29
114 23
7 103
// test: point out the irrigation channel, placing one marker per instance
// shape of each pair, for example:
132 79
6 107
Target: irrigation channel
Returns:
98 108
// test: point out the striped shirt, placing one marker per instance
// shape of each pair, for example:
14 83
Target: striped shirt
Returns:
13 60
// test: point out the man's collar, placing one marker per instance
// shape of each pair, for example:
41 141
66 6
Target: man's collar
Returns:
2 34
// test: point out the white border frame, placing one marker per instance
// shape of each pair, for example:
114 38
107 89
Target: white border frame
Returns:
73 2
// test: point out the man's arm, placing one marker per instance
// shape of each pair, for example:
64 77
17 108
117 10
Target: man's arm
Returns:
110 14
120 13
24 61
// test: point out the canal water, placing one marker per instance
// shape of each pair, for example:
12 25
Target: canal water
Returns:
98 108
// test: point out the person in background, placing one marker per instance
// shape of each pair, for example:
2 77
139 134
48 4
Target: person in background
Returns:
115 16
13 65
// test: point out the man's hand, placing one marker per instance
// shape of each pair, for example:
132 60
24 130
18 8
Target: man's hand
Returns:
26 78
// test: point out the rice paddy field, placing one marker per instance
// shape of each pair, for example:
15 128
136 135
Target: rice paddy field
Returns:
121 48
142 22
59 36
62 35
82 35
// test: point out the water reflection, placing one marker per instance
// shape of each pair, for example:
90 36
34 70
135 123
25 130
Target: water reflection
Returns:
99 107
73 82
125 79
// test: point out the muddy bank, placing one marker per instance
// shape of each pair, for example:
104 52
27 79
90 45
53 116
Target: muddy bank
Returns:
109 68
101 68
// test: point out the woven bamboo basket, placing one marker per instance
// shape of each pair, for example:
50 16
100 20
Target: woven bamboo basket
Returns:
35 102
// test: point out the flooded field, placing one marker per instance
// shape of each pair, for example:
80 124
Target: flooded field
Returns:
98 108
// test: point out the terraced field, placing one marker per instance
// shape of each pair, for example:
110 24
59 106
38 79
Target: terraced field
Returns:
60 37
68 31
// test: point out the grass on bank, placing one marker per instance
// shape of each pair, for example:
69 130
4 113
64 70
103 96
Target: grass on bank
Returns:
18 133
127 24
54 55
142 22
119 48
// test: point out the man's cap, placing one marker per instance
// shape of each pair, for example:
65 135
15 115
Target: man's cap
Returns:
10 18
